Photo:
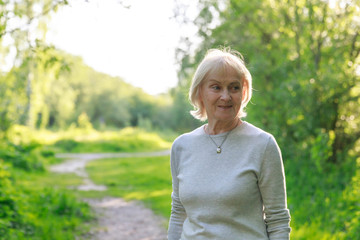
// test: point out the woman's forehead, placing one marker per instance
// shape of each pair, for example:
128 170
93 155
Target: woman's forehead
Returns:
223 71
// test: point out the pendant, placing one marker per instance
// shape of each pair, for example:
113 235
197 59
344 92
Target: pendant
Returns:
218 150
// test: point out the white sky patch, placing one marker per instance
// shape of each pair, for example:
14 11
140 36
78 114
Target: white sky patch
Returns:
137 44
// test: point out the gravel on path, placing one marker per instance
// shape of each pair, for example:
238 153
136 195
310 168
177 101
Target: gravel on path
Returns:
122 220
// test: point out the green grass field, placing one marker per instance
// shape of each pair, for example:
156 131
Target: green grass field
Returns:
147 179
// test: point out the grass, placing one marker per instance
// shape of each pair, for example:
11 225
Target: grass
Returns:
41 180
37 205
90 140
146 179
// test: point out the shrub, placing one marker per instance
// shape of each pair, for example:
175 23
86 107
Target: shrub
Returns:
27 156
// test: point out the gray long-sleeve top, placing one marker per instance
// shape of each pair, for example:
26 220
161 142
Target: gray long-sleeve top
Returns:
237 194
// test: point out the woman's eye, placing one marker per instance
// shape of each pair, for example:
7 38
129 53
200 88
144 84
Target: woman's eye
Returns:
235 88
215 87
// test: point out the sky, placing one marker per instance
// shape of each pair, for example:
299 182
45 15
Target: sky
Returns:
136 43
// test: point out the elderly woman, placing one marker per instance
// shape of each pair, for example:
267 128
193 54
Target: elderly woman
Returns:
227 175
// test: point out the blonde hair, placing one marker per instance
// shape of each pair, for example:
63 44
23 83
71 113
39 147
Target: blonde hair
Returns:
219 59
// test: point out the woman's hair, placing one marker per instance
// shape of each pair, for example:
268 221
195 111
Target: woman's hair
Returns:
218 60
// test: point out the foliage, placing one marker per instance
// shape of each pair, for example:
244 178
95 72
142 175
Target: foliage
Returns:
84 122
62 96
26 157
124 140
76 139
28 211
182 121
22 24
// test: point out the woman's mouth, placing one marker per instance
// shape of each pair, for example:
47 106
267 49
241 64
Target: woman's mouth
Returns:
225 106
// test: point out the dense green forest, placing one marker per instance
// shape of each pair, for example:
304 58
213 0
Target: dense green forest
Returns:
304 56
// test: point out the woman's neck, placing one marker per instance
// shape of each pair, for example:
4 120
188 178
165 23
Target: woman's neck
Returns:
217 127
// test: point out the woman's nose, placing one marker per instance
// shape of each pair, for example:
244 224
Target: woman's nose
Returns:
225 95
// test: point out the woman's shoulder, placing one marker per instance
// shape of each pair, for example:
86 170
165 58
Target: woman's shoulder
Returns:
252 136
185 138
251 131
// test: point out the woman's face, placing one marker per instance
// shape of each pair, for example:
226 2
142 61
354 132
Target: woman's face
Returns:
221 95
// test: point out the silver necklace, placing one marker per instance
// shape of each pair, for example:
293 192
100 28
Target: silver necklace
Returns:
218 147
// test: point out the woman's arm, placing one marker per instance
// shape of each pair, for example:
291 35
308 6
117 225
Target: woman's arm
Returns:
273 191
178 213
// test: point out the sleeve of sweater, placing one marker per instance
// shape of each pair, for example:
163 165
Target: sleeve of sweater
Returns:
178 213
273 191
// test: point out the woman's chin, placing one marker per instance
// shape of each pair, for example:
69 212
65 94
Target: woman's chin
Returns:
225 117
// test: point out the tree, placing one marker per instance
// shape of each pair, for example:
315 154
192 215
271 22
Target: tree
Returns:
304 57
17 98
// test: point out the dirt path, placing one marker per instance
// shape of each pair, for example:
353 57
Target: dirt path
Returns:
121 220
117 218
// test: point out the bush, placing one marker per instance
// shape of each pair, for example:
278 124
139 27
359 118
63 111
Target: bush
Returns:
12 217
66 145
327 204
26 213
27 156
